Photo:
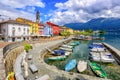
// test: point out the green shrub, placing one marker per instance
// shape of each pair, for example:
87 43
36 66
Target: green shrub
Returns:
27 47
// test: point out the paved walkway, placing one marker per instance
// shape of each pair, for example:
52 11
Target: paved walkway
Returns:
2 67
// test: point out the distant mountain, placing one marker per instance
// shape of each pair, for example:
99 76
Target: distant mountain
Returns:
97 24
75 26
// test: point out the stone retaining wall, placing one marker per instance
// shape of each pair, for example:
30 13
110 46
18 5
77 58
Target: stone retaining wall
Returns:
11 57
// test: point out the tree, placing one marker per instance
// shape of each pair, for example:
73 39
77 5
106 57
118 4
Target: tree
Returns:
102 33
65 33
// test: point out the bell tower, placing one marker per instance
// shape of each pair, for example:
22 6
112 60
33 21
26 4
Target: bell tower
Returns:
38 16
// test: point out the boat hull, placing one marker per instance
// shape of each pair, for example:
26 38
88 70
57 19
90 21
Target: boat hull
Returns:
57 58
97 69
82 66
70 65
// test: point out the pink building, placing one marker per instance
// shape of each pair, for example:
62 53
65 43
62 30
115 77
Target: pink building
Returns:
40 29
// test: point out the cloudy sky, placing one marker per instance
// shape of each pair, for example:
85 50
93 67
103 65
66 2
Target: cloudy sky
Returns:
60 11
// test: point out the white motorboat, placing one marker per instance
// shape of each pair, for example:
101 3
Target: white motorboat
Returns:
98 49
101 57
66 49
67 46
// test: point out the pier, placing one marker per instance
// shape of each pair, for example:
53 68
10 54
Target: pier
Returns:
114 51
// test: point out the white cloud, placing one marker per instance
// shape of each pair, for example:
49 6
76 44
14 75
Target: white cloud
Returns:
84 10
21 3
15 13
8 8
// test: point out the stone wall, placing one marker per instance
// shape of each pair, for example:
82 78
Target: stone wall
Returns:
11 57
114 51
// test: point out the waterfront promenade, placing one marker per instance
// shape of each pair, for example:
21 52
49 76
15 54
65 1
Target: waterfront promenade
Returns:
3 44
52 71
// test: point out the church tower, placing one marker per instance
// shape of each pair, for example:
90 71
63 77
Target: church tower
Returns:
38 16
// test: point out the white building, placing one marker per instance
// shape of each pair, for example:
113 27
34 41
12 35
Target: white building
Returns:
12 30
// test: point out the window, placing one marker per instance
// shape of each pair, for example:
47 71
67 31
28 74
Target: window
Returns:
13 31
28 31
24 29
4 30
19 29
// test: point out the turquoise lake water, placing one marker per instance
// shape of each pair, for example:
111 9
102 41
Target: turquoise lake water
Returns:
81 52
113 38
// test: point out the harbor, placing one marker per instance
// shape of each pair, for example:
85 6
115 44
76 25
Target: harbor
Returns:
59 40
38 57
81 52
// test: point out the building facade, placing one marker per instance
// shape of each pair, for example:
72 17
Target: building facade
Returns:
40 29
47 31
70 30
12 30
55 28
63 29
33 25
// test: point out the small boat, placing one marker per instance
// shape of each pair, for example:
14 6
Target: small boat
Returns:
67 53
57 58
98 70
82 66
98 49
59 52
70 65
75 43
96 45
66 49
67 46
101 57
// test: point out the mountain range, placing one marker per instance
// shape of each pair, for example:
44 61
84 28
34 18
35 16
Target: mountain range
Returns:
97 24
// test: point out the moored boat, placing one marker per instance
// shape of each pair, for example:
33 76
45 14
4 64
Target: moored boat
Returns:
82 66
67 53
57 58
70 65
59 52
75 43
98 49
98 70
67 46
66 49
101 57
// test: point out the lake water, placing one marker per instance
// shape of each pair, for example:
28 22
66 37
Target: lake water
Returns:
81 52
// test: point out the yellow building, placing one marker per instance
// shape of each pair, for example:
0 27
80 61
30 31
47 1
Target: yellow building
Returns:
69 30
33 25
